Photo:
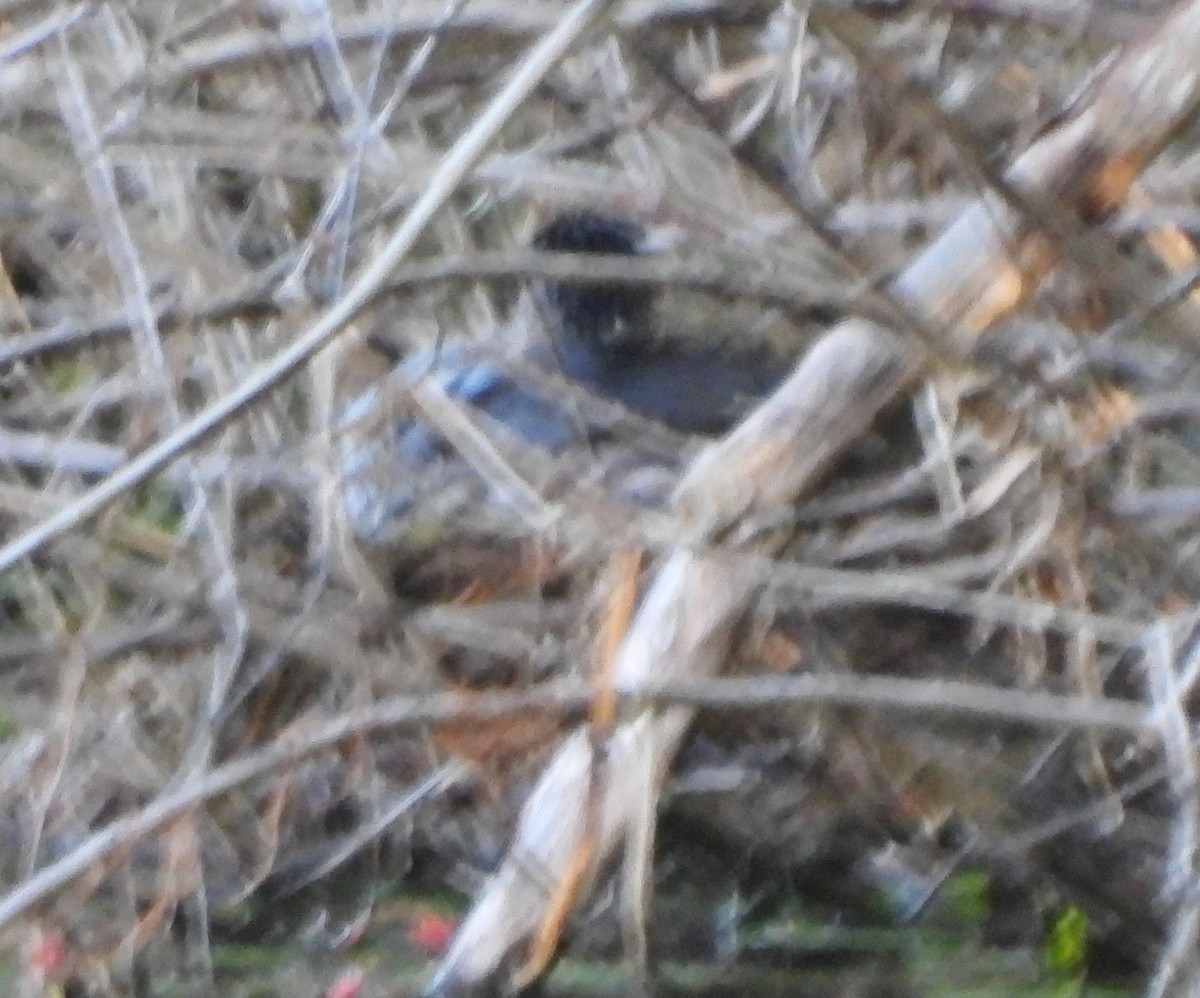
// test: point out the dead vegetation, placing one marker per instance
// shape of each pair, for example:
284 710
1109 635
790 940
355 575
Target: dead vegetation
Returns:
948 569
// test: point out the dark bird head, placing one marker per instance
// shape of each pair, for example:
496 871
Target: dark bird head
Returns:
614 317
607 339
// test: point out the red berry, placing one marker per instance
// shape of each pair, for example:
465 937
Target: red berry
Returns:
431 933
46 955
349 985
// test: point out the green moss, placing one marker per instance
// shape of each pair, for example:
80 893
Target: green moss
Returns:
9 727
966 894
64 374
1066 945
158 506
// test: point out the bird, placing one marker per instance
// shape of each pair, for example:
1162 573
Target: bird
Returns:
611 339
605 337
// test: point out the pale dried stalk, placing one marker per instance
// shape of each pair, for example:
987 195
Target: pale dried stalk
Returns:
975 273
125 258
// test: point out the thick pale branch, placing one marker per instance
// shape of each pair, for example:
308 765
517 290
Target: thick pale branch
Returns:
684 627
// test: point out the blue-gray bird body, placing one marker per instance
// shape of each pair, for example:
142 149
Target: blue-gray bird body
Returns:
601 337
